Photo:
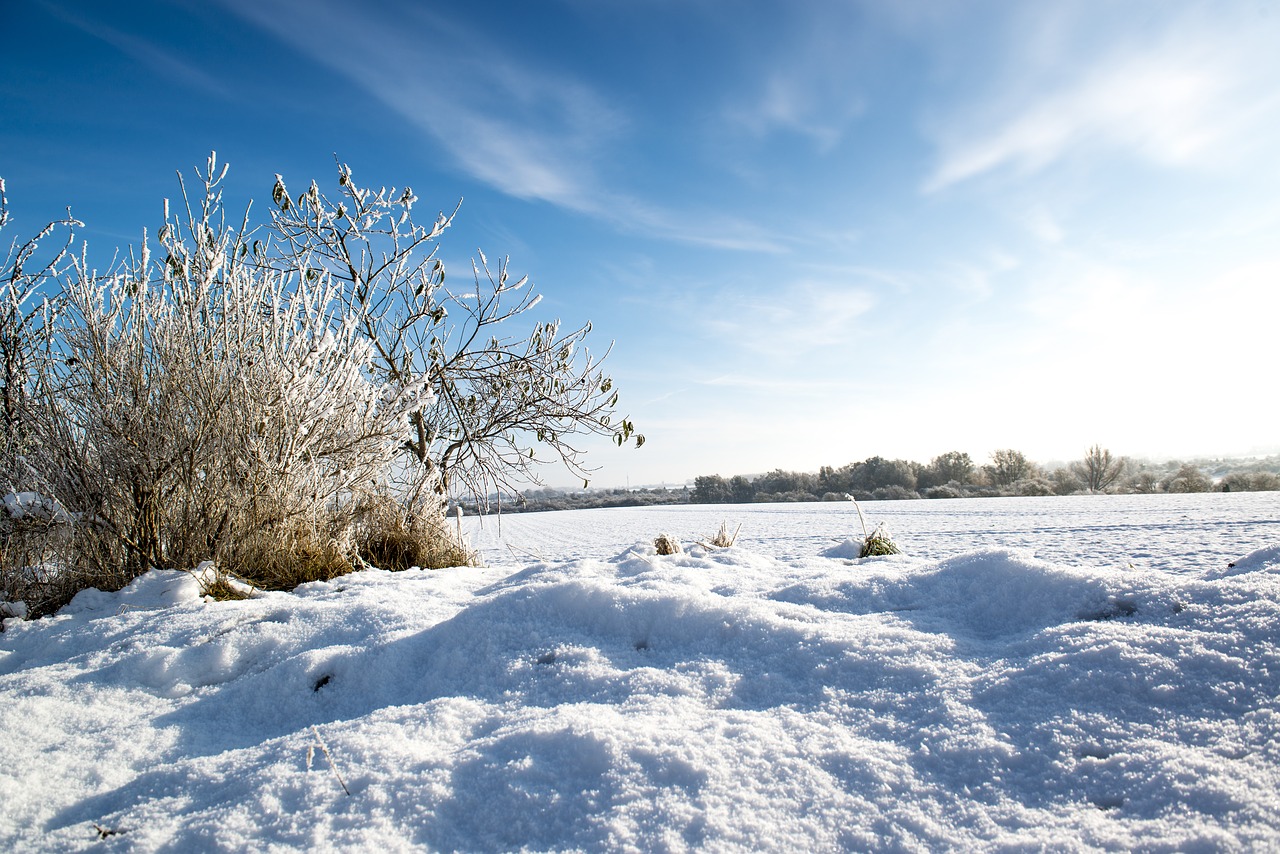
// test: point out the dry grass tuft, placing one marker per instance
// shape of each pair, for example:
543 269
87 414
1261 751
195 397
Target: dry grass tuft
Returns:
45 562
395 539
667 545
221 588
281 558
723 539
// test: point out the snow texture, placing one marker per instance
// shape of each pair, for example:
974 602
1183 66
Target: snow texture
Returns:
748 698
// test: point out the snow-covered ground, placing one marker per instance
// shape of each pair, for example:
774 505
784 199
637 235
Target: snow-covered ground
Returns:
1063 673
1174 533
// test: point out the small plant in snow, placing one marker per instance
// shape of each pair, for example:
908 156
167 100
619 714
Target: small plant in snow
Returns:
876 543
723 539
667 545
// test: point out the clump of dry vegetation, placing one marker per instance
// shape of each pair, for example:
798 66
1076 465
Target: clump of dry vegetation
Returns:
393 538
876 543
723 539
667 545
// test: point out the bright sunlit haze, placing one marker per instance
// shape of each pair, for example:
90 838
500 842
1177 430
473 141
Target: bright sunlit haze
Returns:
816 232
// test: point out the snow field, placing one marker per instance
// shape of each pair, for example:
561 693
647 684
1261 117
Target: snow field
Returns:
718 699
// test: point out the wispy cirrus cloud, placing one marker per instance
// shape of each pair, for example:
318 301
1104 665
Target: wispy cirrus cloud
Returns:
794 319
806 79
789 384
528 132
791 101
1179 97
533 135
165 63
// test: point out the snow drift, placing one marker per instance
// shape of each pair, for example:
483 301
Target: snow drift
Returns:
716 698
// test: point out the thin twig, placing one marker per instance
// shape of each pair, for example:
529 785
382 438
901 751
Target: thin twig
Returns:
324 748
527 552
861 518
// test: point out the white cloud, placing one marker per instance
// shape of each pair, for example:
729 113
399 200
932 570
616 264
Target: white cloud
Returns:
793 103
976 278
1043 225
793 320
1174 98
529 133
163 62
806 74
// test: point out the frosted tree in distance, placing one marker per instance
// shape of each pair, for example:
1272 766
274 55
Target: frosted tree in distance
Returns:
1099 471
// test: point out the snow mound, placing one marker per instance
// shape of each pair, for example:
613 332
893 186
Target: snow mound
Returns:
1262 560
152 591
850 549
983 595
710 699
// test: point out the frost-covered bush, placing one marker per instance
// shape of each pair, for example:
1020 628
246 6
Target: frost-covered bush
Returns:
289 401
894 492
1034 486
208 407
34 530
28 276
1261 481
34 527
499 399
389 538
1188 478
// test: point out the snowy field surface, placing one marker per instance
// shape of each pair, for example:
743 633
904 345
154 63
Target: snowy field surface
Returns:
1044 673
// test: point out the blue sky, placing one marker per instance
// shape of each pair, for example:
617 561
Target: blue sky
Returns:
816 231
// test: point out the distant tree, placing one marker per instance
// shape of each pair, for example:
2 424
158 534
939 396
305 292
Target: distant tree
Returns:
1099 470
1035 486
779 482
876 472
1141 482
1188 479
1259 481
1008 467
1064 481
835 480
945 468
741 490
894 492
711 489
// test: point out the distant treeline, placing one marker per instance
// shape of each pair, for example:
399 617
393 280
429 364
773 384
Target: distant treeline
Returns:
955 475
950 475
540 499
